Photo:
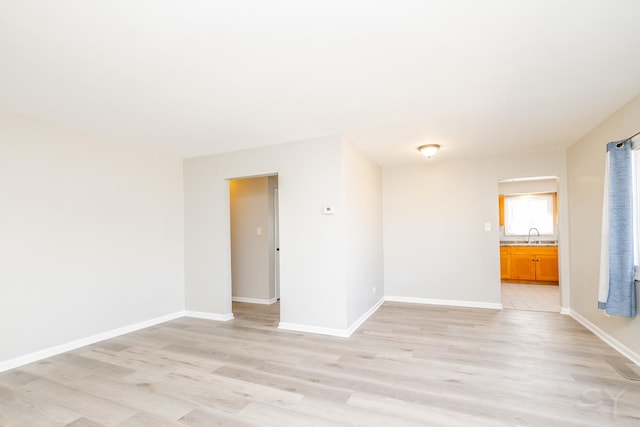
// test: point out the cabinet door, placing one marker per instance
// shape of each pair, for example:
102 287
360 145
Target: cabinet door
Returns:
547 267
523 267
505 266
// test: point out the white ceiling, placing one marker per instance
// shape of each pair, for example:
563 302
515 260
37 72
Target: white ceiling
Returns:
201 76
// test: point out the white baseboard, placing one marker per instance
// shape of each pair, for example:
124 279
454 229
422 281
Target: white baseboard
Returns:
209 316
73 345
617 345
313 329
364 317
343 333
447 302
254 300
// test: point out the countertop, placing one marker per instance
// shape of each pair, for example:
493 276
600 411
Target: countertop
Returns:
533 243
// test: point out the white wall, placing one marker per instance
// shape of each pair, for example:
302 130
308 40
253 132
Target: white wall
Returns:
524 187
363 231
312 279
328 263
91 236
435 246
250 258
585 165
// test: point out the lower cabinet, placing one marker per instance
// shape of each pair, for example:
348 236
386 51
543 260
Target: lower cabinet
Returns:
523 266
505 263
532 263
547 267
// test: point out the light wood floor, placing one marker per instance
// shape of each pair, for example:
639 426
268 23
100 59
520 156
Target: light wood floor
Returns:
531 297
407 365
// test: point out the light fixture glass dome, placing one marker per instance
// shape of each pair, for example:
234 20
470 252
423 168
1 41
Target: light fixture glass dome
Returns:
429 149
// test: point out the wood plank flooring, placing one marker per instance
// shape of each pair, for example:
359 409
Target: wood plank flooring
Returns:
407 365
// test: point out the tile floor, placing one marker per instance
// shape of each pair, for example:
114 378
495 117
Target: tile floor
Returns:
531 297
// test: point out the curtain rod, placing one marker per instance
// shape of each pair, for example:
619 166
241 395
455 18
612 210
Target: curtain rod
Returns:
633 136
621 143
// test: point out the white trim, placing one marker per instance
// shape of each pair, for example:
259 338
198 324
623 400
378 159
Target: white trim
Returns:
254 300
342 333
364 317
565 310
617 345
82 342
449 302
314 329
209 316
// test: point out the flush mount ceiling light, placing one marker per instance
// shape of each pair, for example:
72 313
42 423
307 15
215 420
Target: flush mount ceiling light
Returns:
429 149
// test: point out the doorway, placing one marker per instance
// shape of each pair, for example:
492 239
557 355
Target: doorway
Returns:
529 233
254 240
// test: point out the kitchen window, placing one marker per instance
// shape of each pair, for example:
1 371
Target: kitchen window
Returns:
522 213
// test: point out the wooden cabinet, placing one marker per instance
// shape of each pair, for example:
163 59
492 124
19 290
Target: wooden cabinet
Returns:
547 267
523 267
529 263
505 263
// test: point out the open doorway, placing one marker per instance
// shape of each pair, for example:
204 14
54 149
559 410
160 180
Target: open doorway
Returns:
528 212
255 275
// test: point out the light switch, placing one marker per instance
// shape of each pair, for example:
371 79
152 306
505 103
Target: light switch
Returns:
487 226
259 231
328 210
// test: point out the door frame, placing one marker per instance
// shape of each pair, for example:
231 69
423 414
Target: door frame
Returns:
563 254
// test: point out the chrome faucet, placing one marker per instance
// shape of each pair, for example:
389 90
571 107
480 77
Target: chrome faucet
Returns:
530 230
